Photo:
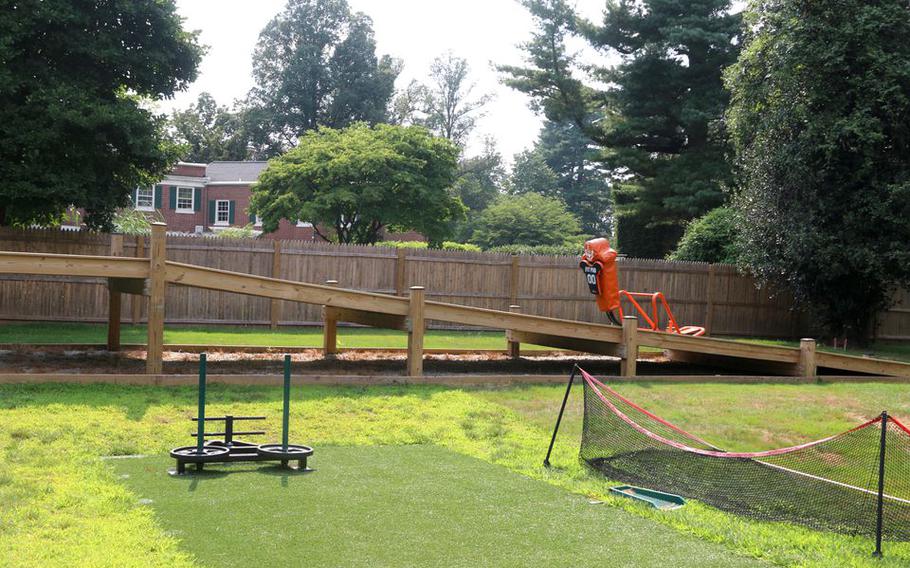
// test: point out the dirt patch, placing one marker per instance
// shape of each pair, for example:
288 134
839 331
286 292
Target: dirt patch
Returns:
311 361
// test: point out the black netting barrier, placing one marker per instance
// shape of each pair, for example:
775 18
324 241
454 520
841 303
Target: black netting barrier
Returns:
831 484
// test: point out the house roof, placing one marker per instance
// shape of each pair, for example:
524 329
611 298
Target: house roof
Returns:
246 171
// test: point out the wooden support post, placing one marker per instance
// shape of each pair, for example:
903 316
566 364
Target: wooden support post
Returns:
157 288
628 366
329 328
135 301
275 305
114 301
401 272
709 306
513 279
807 367
416 327
513 348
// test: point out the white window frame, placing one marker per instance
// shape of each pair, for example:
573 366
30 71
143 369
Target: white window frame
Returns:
258 222
303 224
192 208
151 206
227 212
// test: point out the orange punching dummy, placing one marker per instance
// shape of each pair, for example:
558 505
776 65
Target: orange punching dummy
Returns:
599 265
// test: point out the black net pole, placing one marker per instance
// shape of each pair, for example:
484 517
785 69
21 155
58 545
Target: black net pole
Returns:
546 460
881 487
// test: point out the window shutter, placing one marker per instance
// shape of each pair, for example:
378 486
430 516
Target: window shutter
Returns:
231 212
135 197
173 197
253 218
211 212
157 191
197 200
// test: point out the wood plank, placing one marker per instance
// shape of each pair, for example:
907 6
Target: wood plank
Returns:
416 329
712 346
496 319
372 319
275 305
239 283
72 265
157 288
862 364
569 343
628 366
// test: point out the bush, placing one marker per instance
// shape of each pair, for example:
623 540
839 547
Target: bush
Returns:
402 244
710 238
449 245
569 249
129 221
529 220
236 233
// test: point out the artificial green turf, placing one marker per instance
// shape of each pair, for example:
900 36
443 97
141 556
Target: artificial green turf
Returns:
399 506
65 333
62 505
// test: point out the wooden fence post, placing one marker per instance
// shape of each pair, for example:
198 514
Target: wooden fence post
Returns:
275 305
807 366
416 327
513 348
136 301
628 366
329 328
401 272
513 279
709 306
114 299
157 288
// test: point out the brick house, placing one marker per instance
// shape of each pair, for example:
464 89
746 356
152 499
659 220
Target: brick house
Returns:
205 198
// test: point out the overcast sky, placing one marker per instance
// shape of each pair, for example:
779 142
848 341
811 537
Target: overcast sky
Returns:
482 31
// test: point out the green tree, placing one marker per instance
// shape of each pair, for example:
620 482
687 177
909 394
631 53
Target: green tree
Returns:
529 219
581 180
74 126
361 180
451 110
710 238
820 119
531 174
314 65
659 117
210 132
480 181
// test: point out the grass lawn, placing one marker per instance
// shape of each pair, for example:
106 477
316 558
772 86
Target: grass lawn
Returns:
62 504
63 333
399 506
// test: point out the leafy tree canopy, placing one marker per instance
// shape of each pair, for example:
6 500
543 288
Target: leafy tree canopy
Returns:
531 174
210 132
74 129
316 65
529 219
658 118
360 180
710 238
820 119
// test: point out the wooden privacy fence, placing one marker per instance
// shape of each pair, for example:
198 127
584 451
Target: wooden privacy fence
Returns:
715 296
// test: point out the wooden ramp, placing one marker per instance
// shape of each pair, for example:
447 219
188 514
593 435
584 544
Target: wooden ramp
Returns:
150 277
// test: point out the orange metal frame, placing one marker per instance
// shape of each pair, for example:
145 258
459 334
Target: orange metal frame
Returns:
657 300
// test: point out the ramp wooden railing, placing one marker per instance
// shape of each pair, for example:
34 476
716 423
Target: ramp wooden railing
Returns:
150 278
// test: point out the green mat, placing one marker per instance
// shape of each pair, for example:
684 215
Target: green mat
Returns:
399 506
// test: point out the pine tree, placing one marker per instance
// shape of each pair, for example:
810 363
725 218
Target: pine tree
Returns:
659 119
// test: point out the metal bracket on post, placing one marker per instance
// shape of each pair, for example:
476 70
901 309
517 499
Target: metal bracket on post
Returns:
565 398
